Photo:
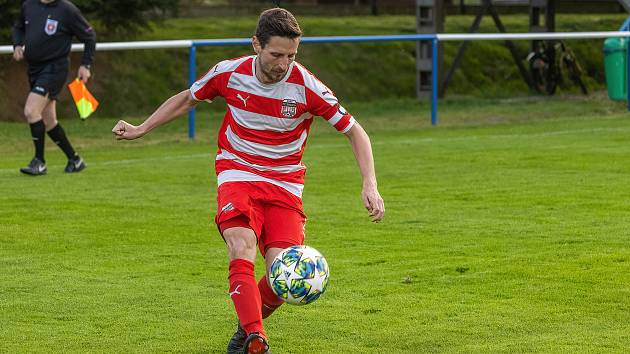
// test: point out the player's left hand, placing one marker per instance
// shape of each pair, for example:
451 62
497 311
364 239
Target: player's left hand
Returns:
84 74
125 131
373 202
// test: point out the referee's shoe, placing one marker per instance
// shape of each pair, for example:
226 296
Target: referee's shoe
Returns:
36 167
75 164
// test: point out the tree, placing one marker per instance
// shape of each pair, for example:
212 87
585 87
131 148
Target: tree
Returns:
115 17
126 16
10 10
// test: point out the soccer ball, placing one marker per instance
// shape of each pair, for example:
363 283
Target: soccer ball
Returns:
299 275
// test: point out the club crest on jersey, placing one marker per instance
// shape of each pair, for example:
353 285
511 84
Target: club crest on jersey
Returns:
51 27
289 108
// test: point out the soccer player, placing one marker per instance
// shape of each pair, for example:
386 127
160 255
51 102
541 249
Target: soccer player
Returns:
271 102
43 36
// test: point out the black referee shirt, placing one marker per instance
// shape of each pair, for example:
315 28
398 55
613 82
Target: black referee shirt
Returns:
46 31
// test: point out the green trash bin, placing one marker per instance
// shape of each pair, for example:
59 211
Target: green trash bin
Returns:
615 52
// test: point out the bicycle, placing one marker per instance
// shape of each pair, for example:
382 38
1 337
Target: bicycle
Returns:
550 63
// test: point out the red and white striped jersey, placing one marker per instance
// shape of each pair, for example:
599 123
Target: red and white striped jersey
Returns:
264 131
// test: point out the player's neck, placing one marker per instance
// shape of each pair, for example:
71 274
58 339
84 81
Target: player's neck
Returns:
261 76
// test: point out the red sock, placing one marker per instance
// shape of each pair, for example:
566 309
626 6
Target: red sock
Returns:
245 295
270 301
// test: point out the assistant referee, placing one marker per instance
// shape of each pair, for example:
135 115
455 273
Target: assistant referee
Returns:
43 36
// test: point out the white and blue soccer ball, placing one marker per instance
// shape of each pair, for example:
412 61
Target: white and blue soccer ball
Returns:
299 275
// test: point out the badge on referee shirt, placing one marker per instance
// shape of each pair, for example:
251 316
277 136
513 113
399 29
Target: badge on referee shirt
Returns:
289 108
51 27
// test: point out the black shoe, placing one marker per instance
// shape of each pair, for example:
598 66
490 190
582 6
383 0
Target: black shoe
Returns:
256 344
35 168
76 164
236 344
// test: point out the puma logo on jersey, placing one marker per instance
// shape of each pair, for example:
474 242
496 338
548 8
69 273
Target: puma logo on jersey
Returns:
235 292
238 95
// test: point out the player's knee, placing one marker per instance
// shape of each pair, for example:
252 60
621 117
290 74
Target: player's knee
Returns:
32 114
242 250
240 245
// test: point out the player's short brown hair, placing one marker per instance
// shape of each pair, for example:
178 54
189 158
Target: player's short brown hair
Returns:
276 22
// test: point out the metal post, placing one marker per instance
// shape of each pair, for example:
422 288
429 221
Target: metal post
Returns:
429 20
192 75
434 80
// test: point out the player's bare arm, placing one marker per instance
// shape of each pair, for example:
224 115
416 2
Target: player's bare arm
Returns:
362 148
172 108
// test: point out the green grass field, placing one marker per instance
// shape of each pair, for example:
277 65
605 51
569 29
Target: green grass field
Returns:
507 230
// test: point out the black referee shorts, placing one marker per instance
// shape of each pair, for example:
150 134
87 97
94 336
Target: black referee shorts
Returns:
48 78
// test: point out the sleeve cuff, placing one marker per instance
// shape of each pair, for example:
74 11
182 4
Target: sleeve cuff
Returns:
195 97
350 125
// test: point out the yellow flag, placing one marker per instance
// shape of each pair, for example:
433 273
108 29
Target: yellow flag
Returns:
86 103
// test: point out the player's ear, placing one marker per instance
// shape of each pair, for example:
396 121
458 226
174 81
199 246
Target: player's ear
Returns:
256 45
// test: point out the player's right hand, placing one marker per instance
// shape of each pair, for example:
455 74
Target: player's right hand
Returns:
18 52
125 131
373 202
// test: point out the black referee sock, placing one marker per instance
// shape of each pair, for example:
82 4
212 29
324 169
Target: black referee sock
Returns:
38 133
59 137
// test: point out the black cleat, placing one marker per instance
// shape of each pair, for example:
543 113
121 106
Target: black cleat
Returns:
256 344
35 168
76 164
236 344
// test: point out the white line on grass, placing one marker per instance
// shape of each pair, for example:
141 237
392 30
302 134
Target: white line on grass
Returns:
500 136
161 158
327 146
121 162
